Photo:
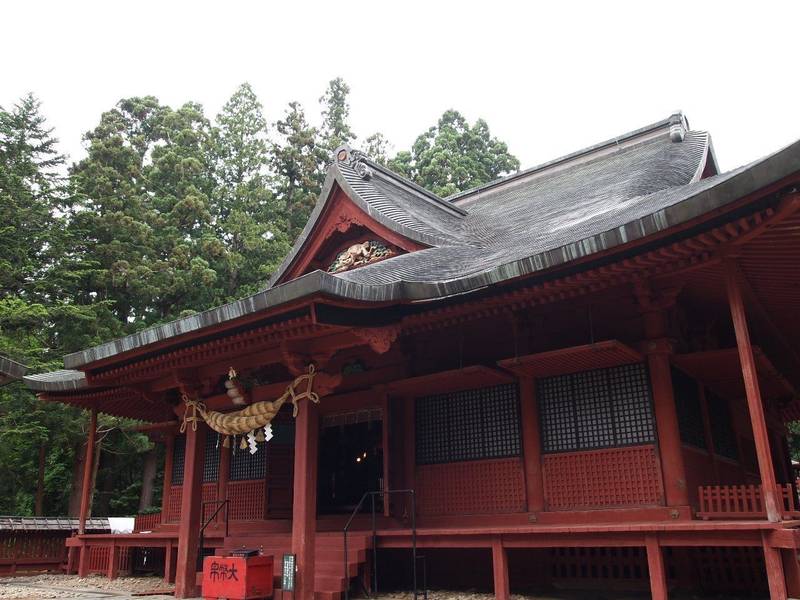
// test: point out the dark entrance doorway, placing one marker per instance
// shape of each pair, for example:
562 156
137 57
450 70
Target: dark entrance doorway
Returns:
350 461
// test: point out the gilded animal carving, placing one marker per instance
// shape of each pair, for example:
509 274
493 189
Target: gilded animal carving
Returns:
358 255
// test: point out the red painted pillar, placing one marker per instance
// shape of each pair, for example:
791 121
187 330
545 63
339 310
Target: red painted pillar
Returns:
191 512
531 444
86 492
669 436
753 392
791 570
113 562
386 453
223 479
655 564
170 558
774 567
502 588
169 456
409 458
304 508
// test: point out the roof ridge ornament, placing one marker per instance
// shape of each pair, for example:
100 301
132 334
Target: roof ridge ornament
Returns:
678 126
355 159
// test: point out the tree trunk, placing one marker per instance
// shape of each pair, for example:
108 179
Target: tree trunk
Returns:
39 508
77 481
148 479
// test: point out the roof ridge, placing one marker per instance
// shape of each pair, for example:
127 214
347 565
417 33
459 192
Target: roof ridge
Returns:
586 152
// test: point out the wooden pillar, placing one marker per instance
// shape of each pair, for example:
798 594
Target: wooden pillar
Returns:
191 512
170 558
86 492
169 457
774 567
669 435
113 562
791 571
531 444
386 454
304 508
223 479
655 564
753 392
502 588
409 457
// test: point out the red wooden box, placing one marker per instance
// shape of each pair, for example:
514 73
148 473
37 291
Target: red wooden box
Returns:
237 578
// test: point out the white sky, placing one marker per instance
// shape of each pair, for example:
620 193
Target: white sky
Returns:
549 77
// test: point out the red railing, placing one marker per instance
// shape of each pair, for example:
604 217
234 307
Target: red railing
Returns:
743 502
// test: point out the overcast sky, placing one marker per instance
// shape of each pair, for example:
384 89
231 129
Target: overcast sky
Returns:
549 77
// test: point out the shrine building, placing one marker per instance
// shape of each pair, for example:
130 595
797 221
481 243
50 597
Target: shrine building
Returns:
577 376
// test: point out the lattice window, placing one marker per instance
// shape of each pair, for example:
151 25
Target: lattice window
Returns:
596 409
687 405
249 466
211 457
468 425
721 428
178 458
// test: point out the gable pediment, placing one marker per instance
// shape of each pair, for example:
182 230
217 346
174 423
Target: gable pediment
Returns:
345 237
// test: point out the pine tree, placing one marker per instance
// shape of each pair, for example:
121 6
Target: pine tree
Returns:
247 216
297 160
335 129
452 156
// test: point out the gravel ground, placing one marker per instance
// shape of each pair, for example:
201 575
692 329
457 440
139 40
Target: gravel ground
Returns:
71 586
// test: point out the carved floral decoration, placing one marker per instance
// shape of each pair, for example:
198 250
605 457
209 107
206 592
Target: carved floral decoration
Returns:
359 255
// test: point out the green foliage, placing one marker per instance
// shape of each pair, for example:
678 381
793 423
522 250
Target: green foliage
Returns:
168 214
452 156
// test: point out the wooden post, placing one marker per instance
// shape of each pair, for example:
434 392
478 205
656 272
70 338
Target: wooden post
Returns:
531 444
409 457
774 567
304 509
385 441
113 562
170 558
191 512
223 479
753 392
169 457
502 588
655 564
86 492
669 435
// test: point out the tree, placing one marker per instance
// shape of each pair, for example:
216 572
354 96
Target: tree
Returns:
297 156
31 186
377 148
247 216
335 129
452 156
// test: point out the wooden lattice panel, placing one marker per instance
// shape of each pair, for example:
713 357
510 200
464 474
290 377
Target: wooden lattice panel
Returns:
209 493
246 500
99 555
480 487
739 570
615 564
602 478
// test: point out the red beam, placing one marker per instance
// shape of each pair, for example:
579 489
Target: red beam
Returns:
191 513
655 564
86 491
502 589
304 510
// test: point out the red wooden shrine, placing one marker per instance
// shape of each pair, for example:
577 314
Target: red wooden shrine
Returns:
585 381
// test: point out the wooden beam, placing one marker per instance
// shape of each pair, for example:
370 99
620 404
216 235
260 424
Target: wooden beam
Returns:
655 565
753 392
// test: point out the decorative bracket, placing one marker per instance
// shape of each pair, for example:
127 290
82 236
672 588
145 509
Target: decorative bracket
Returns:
379 339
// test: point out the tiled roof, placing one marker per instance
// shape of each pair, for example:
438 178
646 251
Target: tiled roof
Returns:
51 524
11 370
597 199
